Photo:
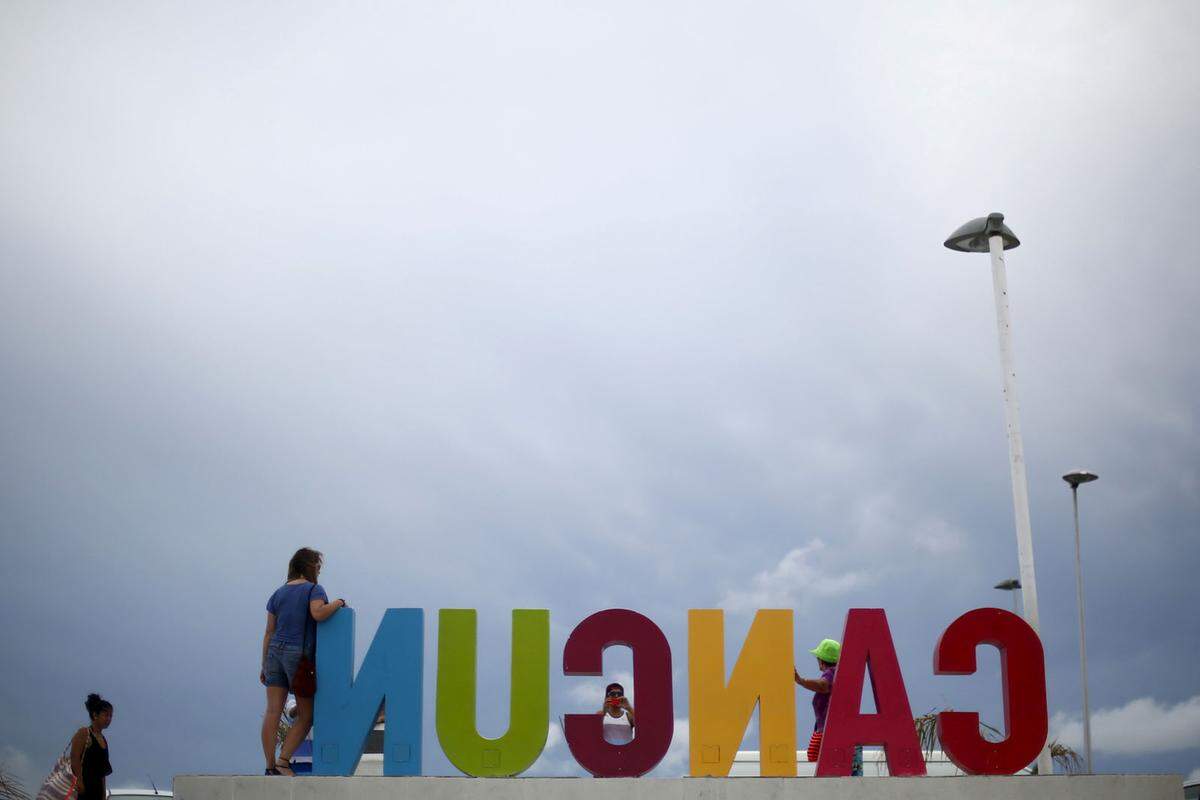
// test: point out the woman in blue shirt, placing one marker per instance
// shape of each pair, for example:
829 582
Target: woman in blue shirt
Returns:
293 612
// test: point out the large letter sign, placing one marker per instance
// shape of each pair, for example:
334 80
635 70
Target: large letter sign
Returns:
763 675
584 655
1023 675
346 709
867 643
529 703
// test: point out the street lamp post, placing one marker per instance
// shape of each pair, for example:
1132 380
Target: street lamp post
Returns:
1075 478
990 235
1010 585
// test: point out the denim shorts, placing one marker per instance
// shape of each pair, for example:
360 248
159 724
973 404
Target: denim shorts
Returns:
281 663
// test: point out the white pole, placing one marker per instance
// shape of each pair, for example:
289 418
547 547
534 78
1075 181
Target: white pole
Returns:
1016 452
1087 715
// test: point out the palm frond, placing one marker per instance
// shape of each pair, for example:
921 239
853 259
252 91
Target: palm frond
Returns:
10 787
281 729
1067 759
927 731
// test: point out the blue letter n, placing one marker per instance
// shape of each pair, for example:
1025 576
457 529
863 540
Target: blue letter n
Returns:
345 709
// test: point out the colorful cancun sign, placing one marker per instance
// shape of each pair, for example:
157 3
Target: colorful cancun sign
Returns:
346 704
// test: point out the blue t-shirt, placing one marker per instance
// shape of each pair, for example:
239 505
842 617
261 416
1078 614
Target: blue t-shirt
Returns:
289 604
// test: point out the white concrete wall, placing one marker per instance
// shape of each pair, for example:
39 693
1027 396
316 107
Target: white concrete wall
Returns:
1010 787
745 764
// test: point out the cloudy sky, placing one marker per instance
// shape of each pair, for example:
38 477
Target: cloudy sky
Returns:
574 306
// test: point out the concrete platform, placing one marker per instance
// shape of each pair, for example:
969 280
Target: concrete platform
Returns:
1010 787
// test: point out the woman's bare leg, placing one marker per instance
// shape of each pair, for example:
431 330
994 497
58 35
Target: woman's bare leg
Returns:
276 697
300 727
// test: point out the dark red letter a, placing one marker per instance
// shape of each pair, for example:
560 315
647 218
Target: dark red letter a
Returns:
867 643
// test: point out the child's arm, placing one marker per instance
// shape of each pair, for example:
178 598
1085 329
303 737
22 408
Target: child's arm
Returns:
819 685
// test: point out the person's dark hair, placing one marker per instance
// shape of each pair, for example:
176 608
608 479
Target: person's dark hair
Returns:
824 665
304 564
612 686
96 705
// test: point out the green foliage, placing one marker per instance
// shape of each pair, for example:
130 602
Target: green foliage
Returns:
1067 759
10 787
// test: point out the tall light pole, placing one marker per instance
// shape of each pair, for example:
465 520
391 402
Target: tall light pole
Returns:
1010 585
1075 478
990 235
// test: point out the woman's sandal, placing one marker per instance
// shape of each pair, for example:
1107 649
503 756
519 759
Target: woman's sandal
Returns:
271 771
282 764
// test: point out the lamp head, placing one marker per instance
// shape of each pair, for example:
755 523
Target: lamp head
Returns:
1008 585
1078 476
973 236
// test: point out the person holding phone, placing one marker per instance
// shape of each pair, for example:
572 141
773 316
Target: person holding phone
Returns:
618 715
293 612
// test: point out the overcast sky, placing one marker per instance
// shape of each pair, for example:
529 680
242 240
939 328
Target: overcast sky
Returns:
550 305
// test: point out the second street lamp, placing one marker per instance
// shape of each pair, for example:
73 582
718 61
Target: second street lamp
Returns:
1075 478
1010 585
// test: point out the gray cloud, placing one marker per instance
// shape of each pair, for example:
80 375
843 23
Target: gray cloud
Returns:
561 308
1140 726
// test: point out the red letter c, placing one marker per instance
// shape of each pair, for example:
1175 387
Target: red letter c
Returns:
1023 675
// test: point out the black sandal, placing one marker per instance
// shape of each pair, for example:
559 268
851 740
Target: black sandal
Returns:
271 771
282 764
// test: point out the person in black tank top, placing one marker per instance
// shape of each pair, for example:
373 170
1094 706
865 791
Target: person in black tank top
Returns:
89 751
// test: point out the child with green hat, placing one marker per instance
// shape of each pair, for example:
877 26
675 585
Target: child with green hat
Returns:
827 652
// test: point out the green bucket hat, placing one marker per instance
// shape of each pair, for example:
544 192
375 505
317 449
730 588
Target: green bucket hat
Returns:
828 651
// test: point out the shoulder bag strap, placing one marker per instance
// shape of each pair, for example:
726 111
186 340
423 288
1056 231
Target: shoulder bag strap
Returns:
307 615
